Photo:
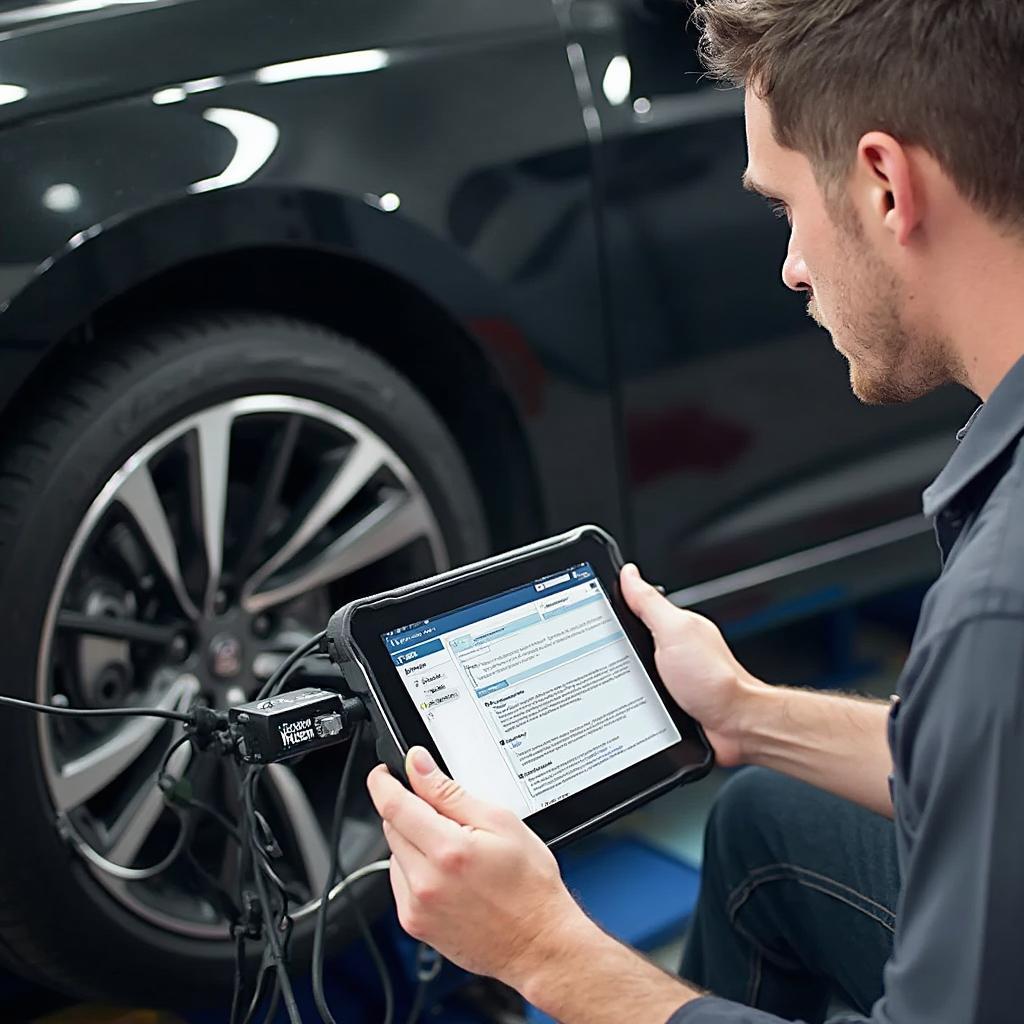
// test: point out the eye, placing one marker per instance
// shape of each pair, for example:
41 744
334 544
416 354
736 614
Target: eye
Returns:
781 210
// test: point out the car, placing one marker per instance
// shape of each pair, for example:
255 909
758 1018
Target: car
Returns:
301 300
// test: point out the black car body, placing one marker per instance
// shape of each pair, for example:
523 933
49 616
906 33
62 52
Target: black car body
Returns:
529 211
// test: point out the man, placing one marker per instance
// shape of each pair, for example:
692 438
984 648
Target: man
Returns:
891 135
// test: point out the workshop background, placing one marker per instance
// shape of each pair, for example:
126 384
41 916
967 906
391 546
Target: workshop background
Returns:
302 299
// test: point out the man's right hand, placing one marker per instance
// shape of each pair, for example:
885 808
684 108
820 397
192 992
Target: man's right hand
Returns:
696 665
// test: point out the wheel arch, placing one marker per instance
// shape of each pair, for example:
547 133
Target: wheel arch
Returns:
334 261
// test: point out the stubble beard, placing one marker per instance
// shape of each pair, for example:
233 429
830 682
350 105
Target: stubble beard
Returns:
890 363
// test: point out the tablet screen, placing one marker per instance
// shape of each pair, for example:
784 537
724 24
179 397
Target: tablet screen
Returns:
534 694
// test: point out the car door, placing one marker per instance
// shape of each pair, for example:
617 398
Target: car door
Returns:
743 443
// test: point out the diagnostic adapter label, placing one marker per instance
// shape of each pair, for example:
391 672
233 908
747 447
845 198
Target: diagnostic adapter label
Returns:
294 733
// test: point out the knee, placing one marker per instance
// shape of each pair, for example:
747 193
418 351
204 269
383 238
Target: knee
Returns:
743 820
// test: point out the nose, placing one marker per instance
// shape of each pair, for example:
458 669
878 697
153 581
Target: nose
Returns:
794 270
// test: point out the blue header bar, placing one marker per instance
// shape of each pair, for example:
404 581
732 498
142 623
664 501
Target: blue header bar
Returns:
545 586
419 651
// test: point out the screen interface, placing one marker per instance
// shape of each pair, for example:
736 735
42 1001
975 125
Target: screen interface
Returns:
535 694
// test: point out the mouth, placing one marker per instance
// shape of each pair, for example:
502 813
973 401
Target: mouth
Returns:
815 315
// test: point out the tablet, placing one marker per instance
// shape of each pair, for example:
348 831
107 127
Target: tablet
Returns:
528 679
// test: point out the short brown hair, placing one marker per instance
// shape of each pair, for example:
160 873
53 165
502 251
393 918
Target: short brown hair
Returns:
947 75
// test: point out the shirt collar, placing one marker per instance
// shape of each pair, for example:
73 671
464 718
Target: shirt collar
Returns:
992 428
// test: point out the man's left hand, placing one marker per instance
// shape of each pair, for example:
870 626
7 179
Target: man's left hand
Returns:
469 878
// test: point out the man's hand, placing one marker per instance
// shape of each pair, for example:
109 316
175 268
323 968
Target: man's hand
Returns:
469 878
697 666
834 742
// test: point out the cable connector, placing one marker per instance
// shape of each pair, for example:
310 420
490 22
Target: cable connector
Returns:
293 723
205 723
250 923
354 710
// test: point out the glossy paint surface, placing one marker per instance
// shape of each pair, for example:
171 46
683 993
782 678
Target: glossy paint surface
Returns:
556 179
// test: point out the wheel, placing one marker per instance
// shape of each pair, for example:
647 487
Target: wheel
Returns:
177 512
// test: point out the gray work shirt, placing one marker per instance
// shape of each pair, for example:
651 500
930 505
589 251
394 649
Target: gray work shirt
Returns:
957 737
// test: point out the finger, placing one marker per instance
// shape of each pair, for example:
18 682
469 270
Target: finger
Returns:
656 612
407 903
409 855
400 887
443 793
407 812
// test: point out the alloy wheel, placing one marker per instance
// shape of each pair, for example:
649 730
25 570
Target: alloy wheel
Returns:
214 550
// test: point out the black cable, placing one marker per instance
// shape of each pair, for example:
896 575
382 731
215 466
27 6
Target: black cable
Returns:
166 759
67 829
417 1002
216 893
49 709
70 833
222 819
257 995
176 797
242 864
236 989
319 932
373 948
275 999
262 868
232 830
266 961
336 868
270 924
268 870
281 673
173 795
428 966
275 943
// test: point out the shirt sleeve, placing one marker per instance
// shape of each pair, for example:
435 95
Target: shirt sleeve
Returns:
958 956
712 1010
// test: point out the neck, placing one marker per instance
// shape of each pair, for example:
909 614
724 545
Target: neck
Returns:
979 299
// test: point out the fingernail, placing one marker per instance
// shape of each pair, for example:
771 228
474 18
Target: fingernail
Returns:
422 761
630 569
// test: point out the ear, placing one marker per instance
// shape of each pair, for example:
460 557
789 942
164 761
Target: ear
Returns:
891 197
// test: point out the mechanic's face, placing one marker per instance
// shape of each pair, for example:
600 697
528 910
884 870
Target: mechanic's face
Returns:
851 291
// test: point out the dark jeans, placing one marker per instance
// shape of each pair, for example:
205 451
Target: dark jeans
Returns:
797 899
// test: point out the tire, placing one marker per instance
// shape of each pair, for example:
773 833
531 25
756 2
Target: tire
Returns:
60 924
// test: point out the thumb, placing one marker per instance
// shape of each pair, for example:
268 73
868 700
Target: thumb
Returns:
445 795
655 610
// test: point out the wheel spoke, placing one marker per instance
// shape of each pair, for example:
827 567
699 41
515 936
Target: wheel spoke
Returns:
135 823
267 491
83 777
397 521
139 497
119 629
309 837
214 430
364 459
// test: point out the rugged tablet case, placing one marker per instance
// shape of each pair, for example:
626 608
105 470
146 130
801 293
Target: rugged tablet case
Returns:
392 745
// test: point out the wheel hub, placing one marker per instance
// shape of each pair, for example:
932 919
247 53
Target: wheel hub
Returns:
226 654
228 646
235 659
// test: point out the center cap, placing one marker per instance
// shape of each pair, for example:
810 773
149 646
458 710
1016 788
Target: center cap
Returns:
225 656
